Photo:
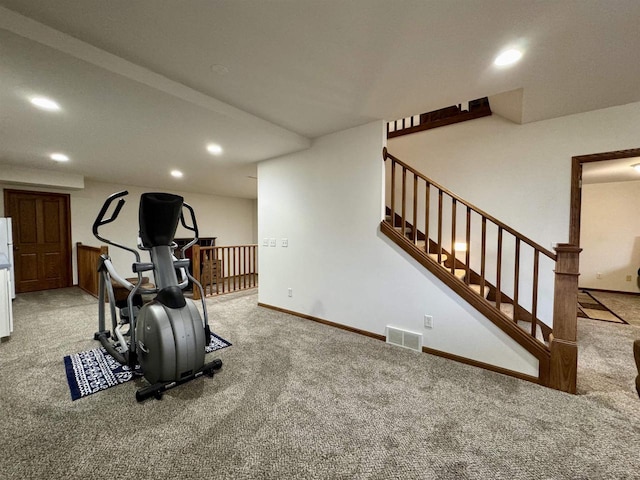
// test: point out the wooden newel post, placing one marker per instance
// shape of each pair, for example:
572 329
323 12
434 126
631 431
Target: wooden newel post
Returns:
563 345
195 267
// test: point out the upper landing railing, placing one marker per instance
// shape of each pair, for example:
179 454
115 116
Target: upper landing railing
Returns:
439 118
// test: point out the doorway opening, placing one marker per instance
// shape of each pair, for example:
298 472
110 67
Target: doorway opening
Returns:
609 368
604 195
577 164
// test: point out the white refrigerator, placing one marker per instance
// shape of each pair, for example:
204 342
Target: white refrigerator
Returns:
6 248
6 307
7 278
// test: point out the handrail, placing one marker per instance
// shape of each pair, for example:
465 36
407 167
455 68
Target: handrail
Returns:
505 227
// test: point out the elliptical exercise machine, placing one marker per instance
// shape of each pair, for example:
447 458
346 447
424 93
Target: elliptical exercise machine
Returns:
167 336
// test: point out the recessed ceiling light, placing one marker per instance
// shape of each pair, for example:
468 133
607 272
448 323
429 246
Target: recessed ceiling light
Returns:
508 57
214 149
59 157
176 173
44 103
636 166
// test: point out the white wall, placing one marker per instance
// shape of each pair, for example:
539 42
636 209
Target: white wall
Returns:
254 222
228 219
12 174
610 236
232 220
327 201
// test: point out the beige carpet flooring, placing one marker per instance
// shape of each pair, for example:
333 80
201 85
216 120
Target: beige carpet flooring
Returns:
297 399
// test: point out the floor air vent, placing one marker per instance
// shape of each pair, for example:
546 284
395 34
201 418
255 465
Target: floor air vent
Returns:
404 338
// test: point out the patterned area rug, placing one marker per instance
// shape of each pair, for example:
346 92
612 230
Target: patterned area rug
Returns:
589 307
95 370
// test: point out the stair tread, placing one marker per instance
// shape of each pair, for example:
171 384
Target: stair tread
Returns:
476 288
506 308
434 256
526 326
459 272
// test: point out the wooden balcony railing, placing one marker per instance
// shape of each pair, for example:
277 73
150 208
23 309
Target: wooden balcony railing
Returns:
439 118
495 258
88 266
225 269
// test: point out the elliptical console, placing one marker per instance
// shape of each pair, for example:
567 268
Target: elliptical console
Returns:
166 336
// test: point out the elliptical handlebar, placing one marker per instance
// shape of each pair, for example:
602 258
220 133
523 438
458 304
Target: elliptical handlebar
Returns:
193 227
107 203
101 221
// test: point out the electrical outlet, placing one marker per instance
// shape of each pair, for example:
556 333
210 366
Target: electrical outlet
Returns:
285 242
290 292
265 242
428 321
272 242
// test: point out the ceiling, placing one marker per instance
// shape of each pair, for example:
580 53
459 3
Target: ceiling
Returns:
145 85
611 171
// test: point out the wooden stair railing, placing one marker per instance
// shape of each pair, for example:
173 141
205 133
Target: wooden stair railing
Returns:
419 200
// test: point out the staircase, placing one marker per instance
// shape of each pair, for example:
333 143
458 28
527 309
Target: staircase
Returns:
497 270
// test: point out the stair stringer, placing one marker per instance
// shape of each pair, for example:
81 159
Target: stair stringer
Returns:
540 351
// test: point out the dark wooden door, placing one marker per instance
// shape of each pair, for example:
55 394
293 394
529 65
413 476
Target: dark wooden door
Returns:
41 239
